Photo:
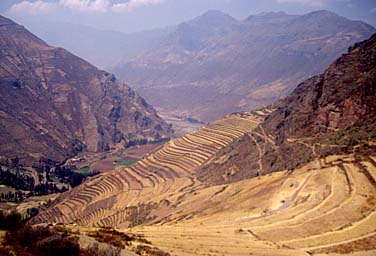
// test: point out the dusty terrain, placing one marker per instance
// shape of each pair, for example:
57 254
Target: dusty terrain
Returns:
301 212
320 208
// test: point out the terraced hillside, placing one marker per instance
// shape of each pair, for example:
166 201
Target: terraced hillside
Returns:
320 208
157 184
298 178
308 211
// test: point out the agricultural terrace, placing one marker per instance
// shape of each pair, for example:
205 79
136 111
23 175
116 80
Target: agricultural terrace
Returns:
131 195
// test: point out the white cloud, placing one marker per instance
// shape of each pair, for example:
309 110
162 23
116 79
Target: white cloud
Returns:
131 4
32 8
304 2
39 7
86 5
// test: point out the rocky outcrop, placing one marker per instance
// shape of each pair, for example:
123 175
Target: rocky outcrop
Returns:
339 98
54 104
333 113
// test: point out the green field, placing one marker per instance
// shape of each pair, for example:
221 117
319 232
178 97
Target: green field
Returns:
83 170
127 163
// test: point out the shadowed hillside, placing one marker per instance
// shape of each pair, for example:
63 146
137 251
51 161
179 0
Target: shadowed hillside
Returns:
54 104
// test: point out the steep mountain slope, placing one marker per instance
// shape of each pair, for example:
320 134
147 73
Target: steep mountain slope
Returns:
54 104
219 65
193 196
325 115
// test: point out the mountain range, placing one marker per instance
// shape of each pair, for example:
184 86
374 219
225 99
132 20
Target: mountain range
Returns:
295 178
325 115
214 64
54 104
84 41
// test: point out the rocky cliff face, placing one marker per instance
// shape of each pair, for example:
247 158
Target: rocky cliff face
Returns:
344 95
332 113
54 104
214 65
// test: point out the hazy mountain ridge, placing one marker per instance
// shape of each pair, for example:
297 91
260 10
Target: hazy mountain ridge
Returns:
85 41
54 104
220 65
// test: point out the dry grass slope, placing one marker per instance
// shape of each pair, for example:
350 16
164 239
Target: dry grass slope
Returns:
300 212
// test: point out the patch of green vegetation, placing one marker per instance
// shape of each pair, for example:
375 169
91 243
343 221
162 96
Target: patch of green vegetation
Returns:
83 170
52 177
117 154
127 163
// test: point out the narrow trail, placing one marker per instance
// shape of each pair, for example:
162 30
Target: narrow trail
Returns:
260 150
261 153
313 149
266 138
253 234
285 205
339 243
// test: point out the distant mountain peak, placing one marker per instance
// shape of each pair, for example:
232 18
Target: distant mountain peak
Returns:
270 16
214 13
322 13
214 18
244 65
280 13
323 16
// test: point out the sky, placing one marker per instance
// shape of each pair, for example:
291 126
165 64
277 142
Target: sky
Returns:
138 15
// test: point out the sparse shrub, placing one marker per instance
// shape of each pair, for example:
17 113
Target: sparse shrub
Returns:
40 241
6 251
58 245
76 179
95 250
147 250
10 221
24 240
112 237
